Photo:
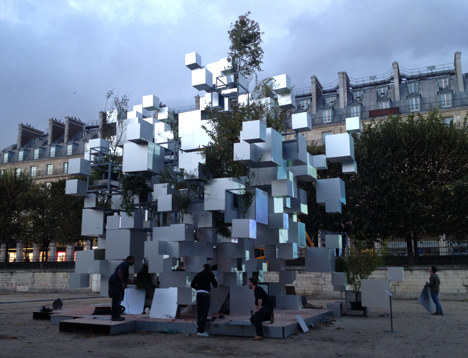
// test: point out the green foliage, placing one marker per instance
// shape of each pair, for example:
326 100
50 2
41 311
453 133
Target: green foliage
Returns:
341 265
181 191
14 191
133 186
412 180
360 263
224 131
38 213
245 53
246 199
54 216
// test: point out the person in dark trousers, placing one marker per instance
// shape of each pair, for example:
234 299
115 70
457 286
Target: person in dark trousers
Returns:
434 285
263 308
202 283
117 283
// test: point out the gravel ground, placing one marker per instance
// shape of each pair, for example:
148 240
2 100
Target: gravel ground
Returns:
417 334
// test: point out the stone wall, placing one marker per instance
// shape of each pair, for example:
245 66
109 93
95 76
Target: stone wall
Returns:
454 283
33 280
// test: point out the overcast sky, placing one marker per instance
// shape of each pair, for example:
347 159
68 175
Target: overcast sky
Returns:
59 57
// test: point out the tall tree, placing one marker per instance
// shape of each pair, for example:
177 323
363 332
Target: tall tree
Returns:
14 191
53 216
245 53
412 180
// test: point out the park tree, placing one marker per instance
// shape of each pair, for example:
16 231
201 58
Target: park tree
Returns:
14 191
412 180
53 216
245 53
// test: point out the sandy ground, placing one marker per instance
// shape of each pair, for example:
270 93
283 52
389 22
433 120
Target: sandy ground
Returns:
418 334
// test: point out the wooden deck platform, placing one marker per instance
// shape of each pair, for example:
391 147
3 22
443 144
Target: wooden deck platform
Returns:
80 320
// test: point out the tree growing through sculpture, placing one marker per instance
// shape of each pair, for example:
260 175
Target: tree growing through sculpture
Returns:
211 203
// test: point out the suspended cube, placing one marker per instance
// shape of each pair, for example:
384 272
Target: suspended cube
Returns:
319 259
282 84
287 100
140 132
244 228
76 187
333 241
92 222
150 102
202 79
148 157
79 166
287 251
353 125
331 192
339 147
301 122
295 151
319 162
253 131
124 242
193 60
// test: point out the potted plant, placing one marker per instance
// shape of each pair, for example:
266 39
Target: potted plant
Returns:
360 263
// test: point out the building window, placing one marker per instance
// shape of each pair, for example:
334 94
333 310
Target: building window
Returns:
355 111
49 169
445 99
443 82
382 92
52 152
20 155
414 104
33 171
70 149
413 87
303 104
384 104
36 153
330 100
17 172
357 96
5 157
327 115
65 168
2 171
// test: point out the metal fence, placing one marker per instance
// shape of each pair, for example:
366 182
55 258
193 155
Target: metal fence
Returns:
46 265
428 246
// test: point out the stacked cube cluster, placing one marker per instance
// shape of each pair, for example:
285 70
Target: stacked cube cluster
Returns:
155 234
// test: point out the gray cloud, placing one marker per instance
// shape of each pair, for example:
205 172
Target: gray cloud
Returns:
60 58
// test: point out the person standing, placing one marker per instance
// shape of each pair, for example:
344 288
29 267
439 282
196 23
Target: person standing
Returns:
263 308
434 285
202 283
117 283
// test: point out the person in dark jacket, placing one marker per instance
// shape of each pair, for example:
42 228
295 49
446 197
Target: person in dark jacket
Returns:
117 283
434 288
202 283
263 308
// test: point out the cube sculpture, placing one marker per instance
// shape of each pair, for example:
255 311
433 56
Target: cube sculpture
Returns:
301 122
165 232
